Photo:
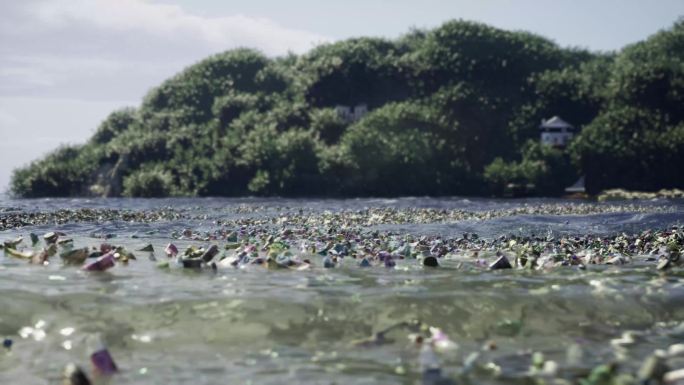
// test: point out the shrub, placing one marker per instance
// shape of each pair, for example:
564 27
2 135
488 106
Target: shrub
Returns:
148 183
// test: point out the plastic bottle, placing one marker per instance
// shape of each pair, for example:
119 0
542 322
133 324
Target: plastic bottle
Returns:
103 363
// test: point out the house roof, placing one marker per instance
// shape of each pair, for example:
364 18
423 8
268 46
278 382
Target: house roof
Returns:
555 122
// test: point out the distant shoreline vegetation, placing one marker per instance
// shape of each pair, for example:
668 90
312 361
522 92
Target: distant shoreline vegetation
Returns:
450 111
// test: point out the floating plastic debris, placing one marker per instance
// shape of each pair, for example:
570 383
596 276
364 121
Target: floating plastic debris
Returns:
329 263
501 263
50 237
664 264
147 248
441 341
43 256
19 254
430 261
676 350
210 253
64 241
123 255
12 244
171 250
75 257
675 377
101 264
106 248
654 368
191 263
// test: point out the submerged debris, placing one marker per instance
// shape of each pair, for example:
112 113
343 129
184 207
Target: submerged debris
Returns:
74 375
102 361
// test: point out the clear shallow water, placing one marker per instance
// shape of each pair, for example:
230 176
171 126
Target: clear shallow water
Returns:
263 326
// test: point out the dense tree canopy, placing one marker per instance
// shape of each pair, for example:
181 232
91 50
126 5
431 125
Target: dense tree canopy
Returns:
453 110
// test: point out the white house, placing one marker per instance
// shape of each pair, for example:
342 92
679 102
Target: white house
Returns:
556 132
351 114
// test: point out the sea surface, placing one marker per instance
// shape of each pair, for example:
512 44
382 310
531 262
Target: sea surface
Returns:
255 325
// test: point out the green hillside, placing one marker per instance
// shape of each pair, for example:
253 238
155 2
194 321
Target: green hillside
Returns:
452 111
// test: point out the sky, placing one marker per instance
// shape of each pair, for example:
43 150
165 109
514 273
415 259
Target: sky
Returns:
66 64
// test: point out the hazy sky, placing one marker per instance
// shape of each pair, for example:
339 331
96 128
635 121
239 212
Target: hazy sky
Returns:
65 64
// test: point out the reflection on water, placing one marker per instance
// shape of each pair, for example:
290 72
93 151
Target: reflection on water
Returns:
274 327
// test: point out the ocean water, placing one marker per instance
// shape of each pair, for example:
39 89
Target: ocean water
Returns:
254 325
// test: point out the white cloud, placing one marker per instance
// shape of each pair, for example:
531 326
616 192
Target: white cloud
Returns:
173 22
7 119
117 49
